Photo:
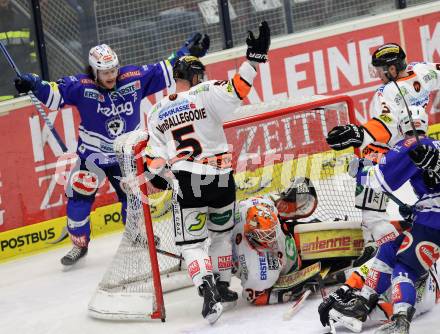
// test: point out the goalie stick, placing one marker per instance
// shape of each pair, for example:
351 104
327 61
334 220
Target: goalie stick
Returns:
35 101
297 305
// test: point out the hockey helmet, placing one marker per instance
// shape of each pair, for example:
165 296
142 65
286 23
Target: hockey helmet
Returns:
387 55
419 119
299 200
102 57
260 228
187 67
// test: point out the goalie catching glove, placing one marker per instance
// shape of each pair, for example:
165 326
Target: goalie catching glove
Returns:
258 47
344 136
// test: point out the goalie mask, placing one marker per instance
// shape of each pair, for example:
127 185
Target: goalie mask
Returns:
419 118
260 228
297 201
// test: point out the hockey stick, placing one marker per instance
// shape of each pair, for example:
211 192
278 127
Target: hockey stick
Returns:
175 256
34 100
297 305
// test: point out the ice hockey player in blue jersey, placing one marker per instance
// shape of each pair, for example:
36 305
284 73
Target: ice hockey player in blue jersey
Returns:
108 99
404 261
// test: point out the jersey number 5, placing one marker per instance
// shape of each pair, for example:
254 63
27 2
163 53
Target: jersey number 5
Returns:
184 143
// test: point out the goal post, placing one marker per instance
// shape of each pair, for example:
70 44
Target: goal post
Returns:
271 144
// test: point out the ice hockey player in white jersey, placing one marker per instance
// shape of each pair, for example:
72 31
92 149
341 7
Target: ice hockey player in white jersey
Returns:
402 83
186 134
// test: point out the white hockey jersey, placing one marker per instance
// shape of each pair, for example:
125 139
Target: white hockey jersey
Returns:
257 270
186 128
381 131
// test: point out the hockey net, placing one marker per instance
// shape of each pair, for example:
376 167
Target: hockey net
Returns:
271 145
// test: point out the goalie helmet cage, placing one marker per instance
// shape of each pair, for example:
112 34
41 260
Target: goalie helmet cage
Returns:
282 139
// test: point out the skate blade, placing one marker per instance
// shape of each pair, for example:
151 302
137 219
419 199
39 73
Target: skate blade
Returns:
352 324
213 317
77 265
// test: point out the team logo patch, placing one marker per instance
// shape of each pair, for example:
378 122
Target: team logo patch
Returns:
372 278
193 268
406 243
396 293
208 264
195 223
427 253
115 127
224 262
84 182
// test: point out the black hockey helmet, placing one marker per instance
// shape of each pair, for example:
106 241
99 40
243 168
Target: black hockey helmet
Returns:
186 67
389 54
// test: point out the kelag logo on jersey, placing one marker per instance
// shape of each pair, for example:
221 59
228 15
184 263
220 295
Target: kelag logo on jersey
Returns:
125 108
130 88
115 127
93 94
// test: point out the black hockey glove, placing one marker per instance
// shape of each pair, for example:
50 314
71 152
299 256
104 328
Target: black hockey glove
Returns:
407 212
344 136
27 82
258 47
343 293
426 157
198 45
431 179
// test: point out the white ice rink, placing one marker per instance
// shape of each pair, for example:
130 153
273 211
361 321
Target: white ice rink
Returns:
36 296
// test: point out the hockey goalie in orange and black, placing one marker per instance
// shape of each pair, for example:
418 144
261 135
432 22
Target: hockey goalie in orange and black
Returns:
402 84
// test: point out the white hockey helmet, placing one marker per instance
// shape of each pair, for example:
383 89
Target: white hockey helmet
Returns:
419 117
102 57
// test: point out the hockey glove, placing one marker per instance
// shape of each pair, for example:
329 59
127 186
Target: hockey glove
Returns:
258 47
197 45
344 136
27 82
407 212
431 179
426 157
343 293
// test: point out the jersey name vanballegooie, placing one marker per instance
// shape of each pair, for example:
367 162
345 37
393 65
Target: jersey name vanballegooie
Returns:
181 118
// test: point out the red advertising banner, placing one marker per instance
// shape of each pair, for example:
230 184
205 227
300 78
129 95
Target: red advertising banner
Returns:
31 187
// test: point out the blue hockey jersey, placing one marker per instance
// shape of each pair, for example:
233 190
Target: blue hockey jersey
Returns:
106 114
395 168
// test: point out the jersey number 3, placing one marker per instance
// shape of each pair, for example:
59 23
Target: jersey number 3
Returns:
186 145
